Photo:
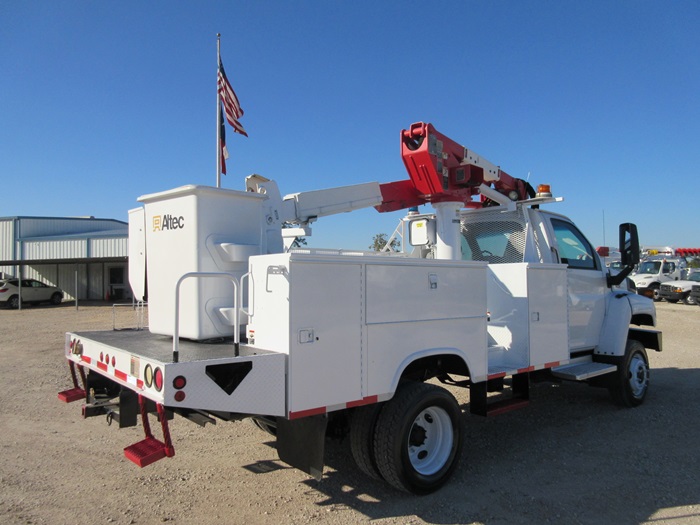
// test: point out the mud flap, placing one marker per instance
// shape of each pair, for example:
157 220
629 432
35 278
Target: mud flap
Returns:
300 443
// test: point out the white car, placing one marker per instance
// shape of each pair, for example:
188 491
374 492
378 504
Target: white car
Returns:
33 291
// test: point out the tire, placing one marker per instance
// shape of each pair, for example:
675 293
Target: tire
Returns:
418 438
632 382
362 426
688 300
655 292
13 302
57 298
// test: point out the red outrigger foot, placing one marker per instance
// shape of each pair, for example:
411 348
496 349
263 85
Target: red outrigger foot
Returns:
150 450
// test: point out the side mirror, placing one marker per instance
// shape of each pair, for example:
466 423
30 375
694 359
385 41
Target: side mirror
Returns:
629 252
629 244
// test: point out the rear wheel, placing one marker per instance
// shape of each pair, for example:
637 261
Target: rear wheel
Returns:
362 427
632 381
13 302
418 438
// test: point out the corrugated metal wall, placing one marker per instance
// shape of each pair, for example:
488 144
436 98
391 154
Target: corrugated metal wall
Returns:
108 247
93 278
45 226
7 236
62 249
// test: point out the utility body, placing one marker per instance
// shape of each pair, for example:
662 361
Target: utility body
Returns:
489 292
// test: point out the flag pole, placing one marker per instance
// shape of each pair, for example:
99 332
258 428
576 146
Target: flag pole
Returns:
218 112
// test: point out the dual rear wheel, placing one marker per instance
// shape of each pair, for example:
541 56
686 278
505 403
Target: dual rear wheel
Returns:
413 441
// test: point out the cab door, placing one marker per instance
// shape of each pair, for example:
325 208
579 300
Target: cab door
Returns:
586 281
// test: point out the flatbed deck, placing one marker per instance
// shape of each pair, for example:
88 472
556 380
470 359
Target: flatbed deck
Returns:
160 348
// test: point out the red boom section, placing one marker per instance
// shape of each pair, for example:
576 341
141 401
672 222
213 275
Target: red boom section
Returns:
442 170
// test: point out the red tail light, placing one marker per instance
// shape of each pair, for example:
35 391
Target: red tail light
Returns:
158 379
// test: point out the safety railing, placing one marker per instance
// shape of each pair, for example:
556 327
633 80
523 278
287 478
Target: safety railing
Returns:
236 311
139 308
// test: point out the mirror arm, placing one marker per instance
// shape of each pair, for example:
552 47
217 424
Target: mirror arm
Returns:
615 280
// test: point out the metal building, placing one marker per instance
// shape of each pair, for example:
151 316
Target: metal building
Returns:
82 255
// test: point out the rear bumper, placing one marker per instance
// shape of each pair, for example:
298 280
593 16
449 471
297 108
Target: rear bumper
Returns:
210 377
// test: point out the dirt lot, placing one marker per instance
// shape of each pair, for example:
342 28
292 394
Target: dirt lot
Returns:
570 457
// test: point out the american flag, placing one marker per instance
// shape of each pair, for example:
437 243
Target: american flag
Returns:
232 108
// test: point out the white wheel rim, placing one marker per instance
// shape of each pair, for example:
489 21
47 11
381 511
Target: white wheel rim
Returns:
430 440
638 375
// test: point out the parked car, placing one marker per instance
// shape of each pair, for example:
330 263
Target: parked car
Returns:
680 290
33 291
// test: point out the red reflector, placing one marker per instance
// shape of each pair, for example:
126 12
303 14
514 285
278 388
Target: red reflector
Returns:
179 395
114 361
179 382
102 356
158 379
107 359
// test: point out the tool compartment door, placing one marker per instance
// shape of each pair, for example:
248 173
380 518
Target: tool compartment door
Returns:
325 303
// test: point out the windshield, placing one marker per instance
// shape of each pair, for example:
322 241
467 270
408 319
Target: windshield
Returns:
694 277
651 267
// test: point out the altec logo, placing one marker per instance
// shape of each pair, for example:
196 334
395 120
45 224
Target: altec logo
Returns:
168 222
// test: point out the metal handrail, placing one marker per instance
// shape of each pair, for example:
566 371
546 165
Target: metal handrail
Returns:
251 294
236 316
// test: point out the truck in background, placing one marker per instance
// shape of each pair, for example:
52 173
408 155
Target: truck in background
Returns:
490 293
681 290
655 270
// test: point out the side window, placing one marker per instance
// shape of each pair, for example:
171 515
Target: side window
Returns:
574 250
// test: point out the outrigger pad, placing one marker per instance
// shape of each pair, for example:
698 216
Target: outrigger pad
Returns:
146 452
72 394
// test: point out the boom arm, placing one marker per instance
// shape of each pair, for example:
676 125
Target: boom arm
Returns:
441 170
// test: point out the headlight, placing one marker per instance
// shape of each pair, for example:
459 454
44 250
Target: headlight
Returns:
677 290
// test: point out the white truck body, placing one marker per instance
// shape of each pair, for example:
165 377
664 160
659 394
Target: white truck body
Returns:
297 337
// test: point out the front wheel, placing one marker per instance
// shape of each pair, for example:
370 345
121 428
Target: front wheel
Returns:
632 381
418 438
688 299
57 298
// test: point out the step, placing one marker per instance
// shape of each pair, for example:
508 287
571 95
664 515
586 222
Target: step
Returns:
72 394
146 451
582 371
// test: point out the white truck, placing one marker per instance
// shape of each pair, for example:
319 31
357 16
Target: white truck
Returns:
656 270
490 293
674 291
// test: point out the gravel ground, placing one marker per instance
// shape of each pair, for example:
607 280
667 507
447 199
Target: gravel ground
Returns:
570 457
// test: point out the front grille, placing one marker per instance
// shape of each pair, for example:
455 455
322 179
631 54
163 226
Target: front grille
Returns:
665 288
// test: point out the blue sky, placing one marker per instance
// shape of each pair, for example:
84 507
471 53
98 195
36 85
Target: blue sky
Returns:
103 101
